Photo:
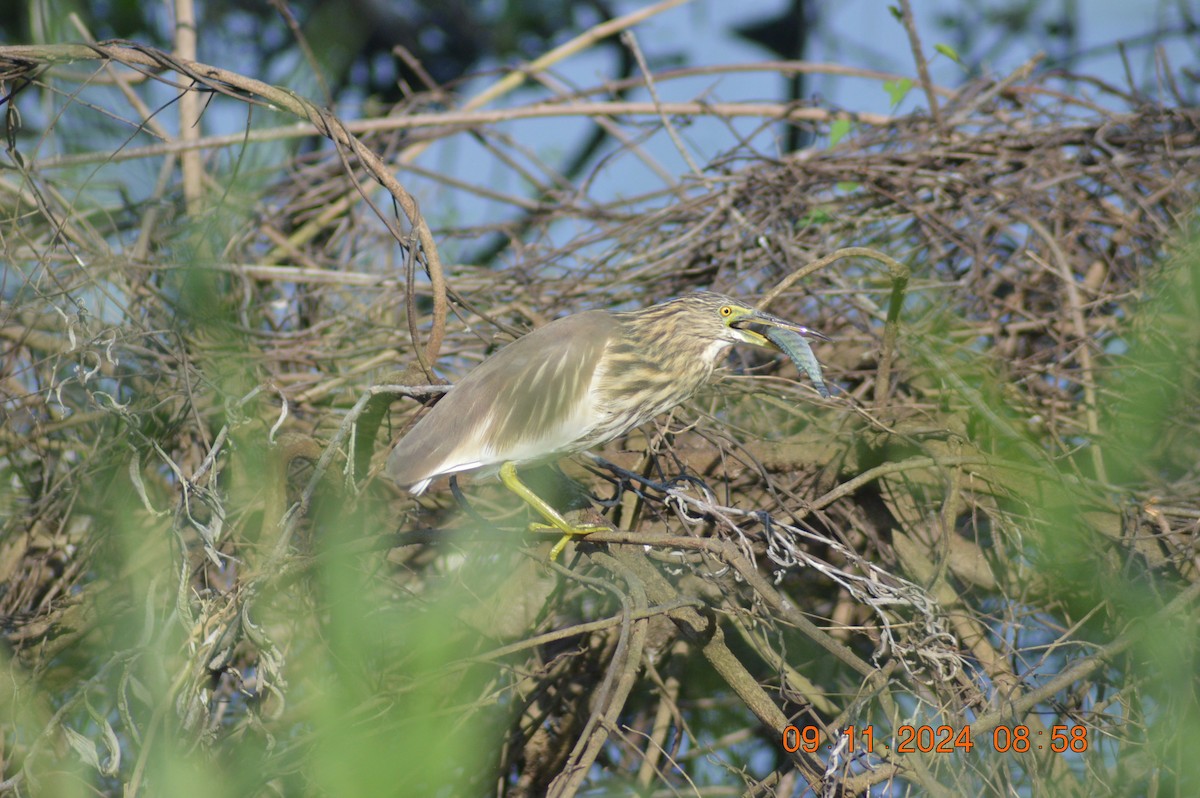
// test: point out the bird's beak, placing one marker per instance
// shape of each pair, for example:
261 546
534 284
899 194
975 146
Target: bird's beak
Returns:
747 323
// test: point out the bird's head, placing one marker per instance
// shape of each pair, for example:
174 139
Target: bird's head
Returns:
716 317
748 325
688 335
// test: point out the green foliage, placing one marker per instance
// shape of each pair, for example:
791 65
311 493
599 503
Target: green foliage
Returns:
949 52
1063 518
815 216
897 90
838 130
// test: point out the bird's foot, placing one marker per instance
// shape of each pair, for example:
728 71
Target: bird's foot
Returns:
569 531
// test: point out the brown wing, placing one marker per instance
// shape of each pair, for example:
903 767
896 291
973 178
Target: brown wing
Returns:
529 400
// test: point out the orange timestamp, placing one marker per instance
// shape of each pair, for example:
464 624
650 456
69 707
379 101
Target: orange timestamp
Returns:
942 739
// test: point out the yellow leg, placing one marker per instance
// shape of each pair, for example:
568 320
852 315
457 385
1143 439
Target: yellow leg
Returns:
508 475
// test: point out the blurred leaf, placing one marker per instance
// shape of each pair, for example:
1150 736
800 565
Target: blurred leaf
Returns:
815 216
84 747
949 52
838 130
897 90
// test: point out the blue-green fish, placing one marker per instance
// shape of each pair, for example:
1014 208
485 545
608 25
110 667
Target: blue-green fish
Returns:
796 346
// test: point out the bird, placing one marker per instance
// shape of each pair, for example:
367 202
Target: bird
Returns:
576 383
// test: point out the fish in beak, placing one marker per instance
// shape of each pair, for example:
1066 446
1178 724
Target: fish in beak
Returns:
763 329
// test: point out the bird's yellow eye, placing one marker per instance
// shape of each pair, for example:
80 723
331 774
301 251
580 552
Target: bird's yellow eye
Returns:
726 311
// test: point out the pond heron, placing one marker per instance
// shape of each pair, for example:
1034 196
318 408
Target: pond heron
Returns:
578 382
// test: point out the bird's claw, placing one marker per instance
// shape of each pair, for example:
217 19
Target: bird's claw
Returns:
575 531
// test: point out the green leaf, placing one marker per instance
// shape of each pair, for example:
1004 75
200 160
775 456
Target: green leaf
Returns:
949 52
815 217
897 90
838 130
847 186
897 13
